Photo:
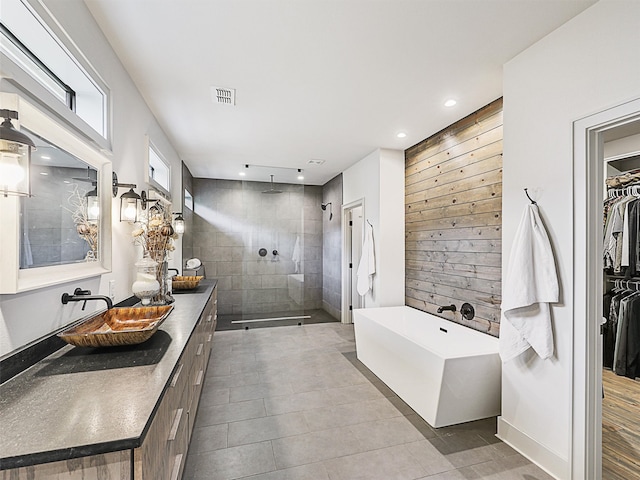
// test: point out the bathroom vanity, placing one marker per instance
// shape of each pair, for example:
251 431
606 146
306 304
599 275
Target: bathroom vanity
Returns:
123 413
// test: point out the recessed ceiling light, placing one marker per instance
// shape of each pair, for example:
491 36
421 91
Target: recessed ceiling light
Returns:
44 173
242 174
401 135
300 177
450 103
45 157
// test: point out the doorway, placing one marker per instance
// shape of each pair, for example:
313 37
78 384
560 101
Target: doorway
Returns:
353 225
590 135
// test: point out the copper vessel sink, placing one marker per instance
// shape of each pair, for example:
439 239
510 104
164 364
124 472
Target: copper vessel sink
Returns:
117 326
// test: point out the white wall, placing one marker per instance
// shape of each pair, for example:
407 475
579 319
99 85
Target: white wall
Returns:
379 180
29 316
587 65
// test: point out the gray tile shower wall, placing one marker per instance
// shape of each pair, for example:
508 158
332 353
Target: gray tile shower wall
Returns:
233 220
332 248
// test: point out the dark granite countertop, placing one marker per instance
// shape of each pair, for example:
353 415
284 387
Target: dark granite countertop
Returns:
85 401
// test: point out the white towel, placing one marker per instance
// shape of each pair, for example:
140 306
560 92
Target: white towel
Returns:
296 256
531 284
367 266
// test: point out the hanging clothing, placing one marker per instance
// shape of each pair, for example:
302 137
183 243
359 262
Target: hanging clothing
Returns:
608 331
621 251
531 285
367 265
634 238
627 349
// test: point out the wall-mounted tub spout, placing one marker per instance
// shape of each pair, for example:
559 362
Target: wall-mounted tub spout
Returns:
451 308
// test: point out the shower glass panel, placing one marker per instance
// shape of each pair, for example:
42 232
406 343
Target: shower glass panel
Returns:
281 268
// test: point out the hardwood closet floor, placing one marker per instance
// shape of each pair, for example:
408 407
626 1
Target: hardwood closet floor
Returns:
620 427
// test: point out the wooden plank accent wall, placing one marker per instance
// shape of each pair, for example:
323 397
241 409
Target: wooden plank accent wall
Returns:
453 219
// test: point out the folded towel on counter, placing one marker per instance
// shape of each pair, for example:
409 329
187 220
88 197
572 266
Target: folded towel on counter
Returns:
531 285
367 266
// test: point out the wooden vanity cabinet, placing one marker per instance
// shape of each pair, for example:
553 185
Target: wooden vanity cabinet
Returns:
163 453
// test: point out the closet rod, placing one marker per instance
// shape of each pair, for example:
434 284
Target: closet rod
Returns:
629 190
625 284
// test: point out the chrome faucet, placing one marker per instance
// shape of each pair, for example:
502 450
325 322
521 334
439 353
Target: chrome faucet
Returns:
80 295
451 308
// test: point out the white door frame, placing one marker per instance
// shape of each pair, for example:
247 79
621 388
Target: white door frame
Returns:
588 180
346 249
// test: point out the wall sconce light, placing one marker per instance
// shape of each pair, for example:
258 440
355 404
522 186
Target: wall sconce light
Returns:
15 157
93 205
130 202
129 205
178 223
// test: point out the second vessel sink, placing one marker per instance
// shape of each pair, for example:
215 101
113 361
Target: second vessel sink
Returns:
117 326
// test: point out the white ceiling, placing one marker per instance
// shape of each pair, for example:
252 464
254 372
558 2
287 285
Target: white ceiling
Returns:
324 80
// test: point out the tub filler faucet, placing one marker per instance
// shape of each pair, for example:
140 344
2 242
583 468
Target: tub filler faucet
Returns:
451 308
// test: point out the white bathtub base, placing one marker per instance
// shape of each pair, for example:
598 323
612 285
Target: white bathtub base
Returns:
444 390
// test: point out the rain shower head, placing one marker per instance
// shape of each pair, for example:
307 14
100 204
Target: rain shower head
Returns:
272 190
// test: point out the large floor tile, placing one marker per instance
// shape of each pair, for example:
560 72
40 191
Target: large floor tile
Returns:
386 433
314 447
267 428
390 463
297 402
312 471
209 438
258 390
231 463
214 396
231 412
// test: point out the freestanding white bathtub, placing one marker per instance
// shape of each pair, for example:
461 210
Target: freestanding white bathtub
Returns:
446 372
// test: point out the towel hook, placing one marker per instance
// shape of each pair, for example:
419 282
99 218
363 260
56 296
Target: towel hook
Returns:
527 194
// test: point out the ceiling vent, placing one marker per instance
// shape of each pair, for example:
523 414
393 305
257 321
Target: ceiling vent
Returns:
315 162
224 96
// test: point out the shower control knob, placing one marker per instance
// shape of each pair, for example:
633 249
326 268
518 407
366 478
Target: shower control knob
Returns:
275 252
467 311
262 252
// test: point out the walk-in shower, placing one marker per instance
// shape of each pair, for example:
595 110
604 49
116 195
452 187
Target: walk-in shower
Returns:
261 237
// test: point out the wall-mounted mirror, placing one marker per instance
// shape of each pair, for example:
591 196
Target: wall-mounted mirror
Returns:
59 224
63 231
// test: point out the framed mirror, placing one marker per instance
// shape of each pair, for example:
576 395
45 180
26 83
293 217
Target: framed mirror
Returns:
63 231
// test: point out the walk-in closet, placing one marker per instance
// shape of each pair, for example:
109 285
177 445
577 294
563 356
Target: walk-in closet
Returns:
621 306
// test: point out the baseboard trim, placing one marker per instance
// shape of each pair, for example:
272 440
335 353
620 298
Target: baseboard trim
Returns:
550 462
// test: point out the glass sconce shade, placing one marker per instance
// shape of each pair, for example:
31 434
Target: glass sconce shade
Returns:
129 206
15 157
93 205
178 223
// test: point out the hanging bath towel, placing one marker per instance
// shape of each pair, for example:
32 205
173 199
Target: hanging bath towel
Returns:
367 266
531 285
296 256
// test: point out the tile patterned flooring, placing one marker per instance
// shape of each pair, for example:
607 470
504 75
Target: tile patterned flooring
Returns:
294 403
